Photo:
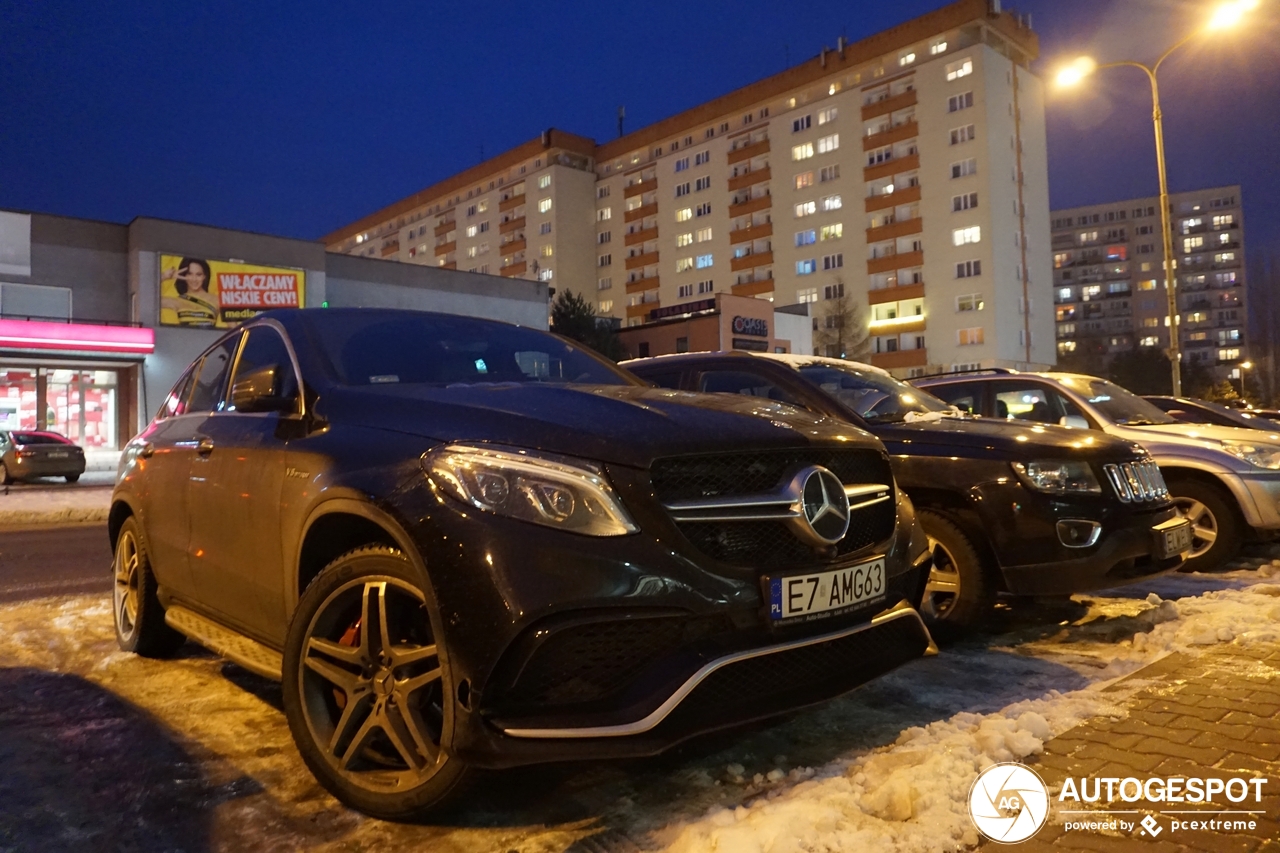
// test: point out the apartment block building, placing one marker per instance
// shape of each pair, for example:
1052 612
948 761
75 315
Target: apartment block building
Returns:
1109 289
904 173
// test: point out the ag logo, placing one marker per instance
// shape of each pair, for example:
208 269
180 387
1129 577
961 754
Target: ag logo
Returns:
1008 803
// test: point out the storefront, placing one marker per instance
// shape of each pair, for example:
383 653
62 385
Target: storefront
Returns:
723 322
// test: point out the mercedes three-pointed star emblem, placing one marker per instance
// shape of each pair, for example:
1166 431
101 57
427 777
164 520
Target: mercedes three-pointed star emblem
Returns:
824 504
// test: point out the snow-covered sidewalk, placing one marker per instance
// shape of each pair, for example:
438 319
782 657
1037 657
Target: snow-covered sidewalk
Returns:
71 504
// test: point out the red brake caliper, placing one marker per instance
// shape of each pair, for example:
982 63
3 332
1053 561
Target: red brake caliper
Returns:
350 637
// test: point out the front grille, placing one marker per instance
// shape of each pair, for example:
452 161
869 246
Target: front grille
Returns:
771 545
1137 482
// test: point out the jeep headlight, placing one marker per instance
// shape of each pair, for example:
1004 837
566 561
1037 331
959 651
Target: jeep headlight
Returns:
1258 455
1059 477
555 492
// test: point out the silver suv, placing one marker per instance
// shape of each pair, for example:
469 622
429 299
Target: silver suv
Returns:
1225 480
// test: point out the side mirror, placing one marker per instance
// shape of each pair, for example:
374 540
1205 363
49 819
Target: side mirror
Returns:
1074 421
257 391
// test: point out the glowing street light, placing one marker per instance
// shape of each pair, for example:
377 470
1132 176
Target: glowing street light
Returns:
1227 15
1244 365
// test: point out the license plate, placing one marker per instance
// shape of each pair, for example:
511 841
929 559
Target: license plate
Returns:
1173 537
825 592
58 455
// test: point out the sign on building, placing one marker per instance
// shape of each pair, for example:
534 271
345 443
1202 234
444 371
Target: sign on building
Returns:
206 294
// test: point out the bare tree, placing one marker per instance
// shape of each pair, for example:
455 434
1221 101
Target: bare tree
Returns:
841 328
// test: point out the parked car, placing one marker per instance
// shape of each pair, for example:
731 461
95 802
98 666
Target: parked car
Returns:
464 544
1225 480
27 454
1192 411
1007 507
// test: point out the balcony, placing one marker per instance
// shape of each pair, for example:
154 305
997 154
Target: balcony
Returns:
510 203
444 228
446 248
902 196
514 269
892 166
641 212
751 261
639 188
514 246
750 206
893 294
748 151
755 176
642 236
390 248
906 130
889 105
897 261
901 228
753 288
640 285
642 310
644 260
901 358
511 225
754 232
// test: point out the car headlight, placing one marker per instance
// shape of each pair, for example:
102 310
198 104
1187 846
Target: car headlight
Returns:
1259 455
566 494
1059 477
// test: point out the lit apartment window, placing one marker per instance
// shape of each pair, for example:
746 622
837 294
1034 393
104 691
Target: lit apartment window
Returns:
801 123
544 205
702 183
604 260
1224 257
828 144
1228 354
804 238
1149 341
547 250
831 232
809 294
545 228
1087 237
829 173
701 157
546 275
707 286
703 261
472 251
1224 220
802 152
483 206
1151 322
906 58
826 116
969 337
959 68
938 47
959 102
962 236
606 306
970 302
833 262
684 264
968 269
806 267
684 240
804 179
682 164
963 134
1189 224
806 208
604 283
684 214
703 209
544 182
1190 244
704 234
471 230
960 168
832 202
1147 284
964 202
604 214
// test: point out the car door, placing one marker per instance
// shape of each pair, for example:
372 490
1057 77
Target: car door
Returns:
236 482
1030 399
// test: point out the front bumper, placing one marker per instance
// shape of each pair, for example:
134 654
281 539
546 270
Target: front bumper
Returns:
1258 496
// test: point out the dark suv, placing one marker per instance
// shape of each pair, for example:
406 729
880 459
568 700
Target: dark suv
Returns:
467 544
1018 507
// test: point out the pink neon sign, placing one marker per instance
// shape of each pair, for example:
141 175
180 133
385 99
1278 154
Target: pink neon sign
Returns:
36 334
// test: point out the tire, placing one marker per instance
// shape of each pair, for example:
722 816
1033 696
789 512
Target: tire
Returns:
368 719
960 591
1219 529
71 478
139 617
5 478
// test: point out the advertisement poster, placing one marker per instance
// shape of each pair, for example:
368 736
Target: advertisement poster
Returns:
207 294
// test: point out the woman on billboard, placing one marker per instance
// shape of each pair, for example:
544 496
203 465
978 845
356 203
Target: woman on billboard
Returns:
185 292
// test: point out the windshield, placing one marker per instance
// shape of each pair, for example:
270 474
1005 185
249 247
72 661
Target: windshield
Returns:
874 396
399 348
1116 404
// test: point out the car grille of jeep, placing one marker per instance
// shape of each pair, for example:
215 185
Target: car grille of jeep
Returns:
770 543
1137 482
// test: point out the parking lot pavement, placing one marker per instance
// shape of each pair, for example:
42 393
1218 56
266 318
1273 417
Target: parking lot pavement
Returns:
105 749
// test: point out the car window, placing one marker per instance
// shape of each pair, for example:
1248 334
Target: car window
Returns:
742 382
663 379
211 376
873 395
265 350
1026 401
1114 403
965 396
176 403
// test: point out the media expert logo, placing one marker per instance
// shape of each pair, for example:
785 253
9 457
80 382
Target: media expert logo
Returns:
1008 803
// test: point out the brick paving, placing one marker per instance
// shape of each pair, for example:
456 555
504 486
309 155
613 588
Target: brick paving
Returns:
1215 714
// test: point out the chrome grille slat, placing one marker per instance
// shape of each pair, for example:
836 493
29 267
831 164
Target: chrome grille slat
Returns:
1136 482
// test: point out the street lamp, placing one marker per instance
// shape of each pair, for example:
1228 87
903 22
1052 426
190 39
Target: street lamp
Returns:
1244 365
1226 15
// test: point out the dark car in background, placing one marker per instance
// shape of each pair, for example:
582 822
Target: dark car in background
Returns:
1192 411
465 544
28 454
1023 508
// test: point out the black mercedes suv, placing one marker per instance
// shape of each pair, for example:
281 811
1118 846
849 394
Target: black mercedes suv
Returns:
1023 508
463 544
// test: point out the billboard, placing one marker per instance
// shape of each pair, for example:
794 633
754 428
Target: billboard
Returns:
204 294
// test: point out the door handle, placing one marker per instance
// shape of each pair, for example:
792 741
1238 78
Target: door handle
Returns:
205 447
147 450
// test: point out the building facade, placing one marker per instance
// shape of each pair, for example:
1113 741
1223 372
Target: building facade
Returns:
906 172
720 322
1109 289
98 319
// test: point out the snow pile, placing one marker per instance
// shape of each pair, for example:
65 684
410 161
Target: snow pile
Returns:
20 506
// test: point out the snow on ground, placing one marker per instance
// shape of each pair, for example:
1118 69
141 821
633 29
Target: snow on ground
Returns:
24 505
885 768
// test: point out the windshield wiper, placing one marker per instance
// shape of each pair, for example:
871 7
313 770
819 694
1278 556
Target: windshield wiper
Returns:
1137 422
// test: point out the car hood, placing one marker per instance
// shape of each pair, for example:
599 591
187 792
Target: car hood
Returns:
1195 440
993 438
622 424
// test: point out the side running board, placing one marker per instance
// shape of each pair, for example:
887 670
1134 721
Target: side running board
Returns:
237 648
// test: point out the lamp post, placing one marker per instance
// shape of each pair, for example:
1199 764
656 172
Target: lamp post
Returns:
1244 365
1227 15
